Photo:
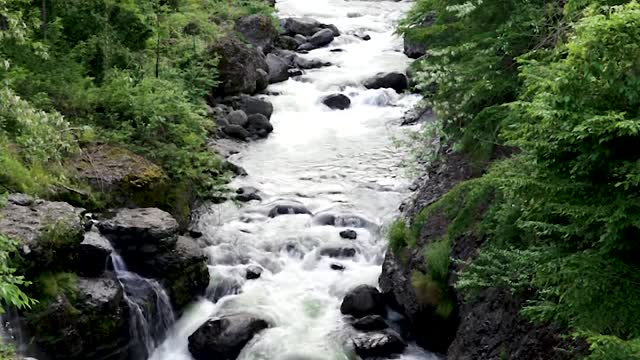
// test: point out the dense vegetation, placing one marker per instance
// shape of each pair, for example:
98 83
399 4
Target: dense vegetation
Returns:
545 96
132 74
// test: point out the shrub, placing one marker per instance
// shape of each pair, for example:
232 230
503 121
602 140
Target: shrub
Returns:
11 285
400 236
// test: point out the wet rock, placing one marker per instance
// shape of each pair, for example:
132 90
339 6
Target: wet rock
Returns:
302 26
288 42
224 338
337 101
233 168
258 30
295 72
288 208
250 105
306 47
419 114
221 287
236 132
238 66
278 69
353 15
89 322
333 28
94 253
365 37
196 234
48 232
414 49
337 50
344 220
370 323
253 272
378 344
301 39
349 234
237 117
248 193
338 252
394 80
262 79
322 38
337 267
362 301
129 180
259 125
309 64
145 230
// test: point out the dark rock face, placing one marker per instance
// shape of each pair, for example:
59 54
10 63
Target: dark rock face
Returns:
257 30
93 325
394 80
322 38
93 254
238 66
288 208
337 101
362 301
278 69
381 344
36 227
349 234
370 323
259 125
338 252
224 338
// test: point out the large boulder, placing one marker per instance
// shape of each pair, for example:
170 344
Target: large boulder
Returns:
48 232
393 80
238 66
302 26
224 338
259 125
322 38
236 132
93 254
337 101
278 69
258 30
89 321
237 117
288 43
362 301
378 344
250 105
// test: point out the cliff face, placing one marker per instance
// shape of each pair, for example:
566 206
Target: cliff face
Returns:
486 327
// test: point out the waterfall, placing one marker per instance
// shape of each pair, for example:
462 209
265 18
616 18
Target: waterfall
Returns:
151 315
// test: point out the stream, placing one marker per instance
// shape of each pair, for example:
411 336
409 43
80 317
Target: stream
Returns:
343 166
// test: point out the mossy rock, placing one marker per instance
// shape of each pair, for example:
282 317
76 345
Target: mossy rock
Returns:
125 179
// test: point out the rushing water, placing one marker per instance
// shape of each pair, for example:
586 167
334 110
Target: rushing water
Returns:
151 315
342 163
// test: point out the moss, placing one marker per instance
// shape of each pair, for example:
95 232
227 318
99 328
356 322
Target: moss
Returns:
437 256
49 287
57 244
400 236
433 294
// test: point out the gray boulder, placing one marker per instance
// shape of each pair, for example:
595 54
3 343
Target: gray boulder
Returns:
224 338
349 234
278 69
94 254
258 30
145 230
394 80
378 345
302 26
303 63
250 105
238 66
306 47
237 117
288 43
333 28
236 132
322 38
301 39
262 79
337 101
259 125
362 301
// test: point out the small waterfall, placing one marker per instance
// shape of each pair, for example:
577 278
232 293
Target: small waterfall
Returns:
151 314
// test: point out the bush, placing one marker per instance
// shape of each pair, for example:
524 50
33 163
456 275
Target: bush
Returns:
11 285
400 236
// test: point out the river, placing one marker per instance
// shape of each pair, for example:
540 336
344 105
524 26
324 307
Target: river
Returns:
345 164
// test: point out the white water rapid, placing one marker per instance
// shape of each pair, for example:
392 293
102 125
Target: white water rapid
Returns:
342 163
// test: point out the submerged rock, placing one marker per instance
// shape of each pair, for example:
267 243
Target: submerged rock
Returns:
337 101
338 252
378 344
362 301
253 272
288 208
349 234
224 338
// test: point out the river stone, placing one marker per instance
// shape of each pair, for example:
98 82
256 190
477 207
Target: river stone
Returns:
237 117
221 286
393 80
138 227
365 37
344 220
338 252
278 69
248 193
253 272
370 323
306 64
362 301
94 253
258 30
301 39
322 38
302 26
91 324
349 234
224 338
337 101
333 28
238 66
235 169
259 125
337 267
236 132
288 43
378 344
306 47
262 79
288 208
250 105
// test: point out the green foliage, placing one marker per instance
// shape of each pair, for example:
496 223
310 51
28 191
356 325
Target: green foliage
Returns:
433 293
400 236
49 286
613 348
437 255
11 285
